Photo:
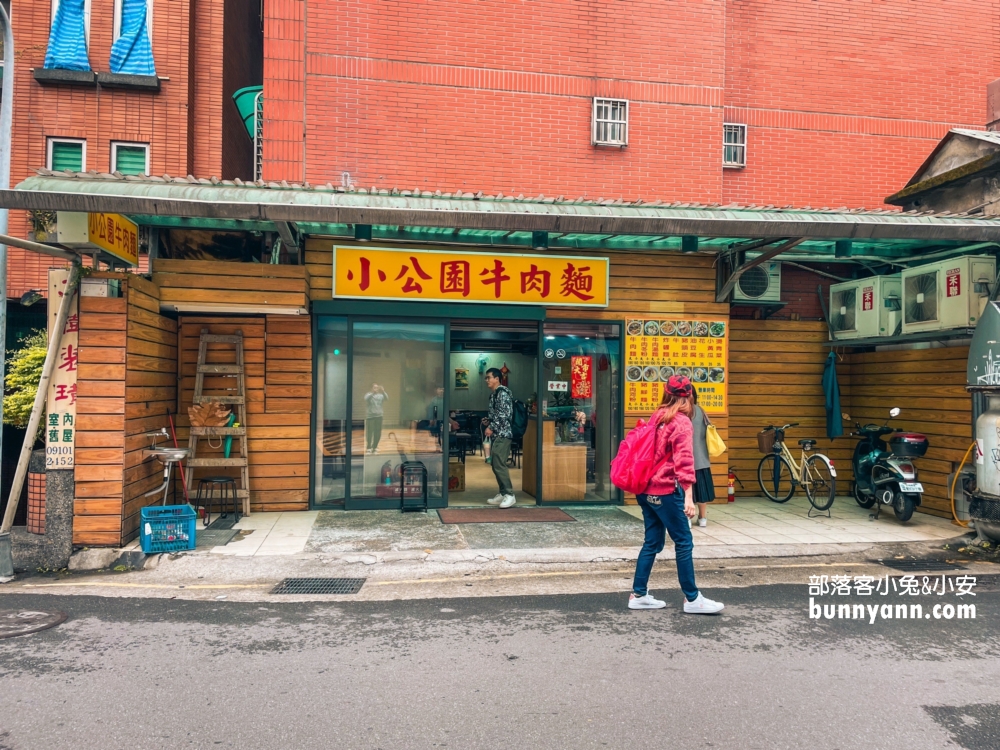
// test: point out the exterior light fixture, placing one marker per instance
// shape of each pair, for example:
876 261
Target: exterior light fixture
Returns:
363 232
540 240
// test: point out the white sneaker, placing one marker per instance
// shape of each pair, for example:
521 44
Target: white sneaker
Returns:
496 499
703 606
703 522
645 602
508 501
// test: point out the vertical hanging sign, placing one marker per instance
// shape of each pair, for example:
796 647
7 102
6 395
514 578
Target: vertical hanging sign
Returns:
60 421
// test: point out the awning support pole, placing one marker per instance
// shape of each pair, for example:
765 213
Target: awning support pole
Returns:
723 294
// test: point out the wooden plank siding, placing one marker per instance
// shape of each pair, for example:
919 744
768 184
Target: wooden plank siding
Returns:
647 285
126 380
219 282
775 377
776 370
279 401
928 385
150 396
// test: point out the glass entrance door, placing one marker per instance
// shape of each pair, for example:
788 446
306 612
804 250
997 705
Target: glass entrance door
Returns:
397 391
581 412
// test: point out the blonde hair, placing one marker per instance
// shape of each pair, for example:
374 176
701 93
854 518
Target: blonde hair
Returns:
670 405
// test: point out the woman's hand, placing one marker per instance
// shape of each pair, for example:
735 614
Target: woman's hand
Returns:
689 508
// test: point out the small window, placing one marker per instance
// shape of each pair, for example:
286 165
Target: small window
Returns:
119 10
67 153
86 17
130 158
734 147
610 122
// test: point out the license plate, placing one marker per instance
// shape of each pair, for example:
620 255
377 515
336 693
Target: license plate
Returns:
911 487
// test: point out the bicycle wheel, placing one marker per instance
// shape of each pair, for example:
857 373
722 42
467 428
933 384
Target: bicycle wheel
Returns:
776 478
819 483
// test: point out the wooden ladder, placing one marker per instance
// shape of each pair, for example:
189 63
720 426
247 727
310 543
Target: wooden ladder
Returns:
235 396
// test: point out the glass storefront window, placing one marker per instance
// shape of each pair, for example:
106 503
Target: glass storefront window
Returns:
330 470
397 380
581 411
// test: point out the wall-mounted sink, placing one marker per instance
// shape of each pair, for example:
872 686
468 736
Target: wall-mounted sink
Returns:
168 455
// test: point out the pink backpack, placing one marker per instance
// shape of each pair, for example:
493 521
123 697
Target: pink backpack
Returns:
633 467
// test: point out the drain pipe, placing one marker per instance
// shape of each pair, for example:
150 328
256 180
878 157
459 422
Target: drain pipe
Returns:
55 340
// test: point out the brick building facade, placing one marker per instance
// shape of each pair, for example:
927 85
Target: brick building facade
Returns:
183 124
842 99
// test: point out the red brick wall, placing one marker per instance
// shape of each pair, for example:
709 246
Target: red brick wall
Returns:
104 115
843 98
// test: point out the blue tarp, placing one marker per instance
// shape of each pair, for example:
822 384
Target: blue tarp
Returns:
132 54
68 38
831 390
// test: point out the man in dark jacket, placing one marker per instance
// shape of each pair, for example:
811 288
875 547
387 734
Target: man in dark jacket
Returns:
499 431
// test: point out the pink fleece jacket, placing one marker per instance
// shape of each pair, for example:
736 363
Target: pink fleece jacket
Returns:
674 456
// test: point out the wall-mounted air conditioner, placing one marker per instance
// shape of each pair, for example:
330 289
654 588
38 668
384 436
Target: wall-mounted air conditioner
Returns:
947 294
759 284
866 308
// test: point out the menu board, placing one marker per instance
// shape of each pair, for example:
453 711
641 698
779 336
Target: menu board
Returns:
657 349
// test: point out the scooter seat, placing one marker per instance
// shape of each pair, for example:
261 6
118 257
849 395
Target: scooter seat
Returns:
807 443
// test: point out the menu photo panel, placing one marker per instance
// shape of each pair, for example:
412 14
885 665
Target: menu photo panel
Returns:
657 349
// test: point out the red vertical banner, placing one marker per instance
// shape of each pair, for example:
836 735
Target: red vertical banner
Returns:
582 386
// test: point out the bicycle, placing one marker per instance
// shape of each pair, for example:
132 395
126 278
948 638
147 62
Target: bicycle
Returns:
779 473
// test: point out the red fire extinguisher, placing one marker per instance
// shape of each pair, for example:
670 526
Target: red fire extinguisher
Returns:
731 491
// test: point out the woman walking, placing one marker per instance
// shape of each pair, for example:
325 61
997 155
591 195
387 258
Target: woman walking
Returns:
667 502
704 488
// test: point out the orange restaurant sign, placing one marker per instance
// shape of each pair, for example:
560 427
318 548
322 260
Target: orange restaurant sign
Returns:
451 276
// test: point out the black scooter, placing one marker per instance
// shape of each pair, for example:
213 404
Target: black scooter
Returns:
885 474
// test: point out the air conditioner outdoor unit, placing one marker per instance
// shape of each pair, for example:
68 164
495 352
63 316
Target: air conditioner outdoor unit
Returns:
866 308
759 284
947 294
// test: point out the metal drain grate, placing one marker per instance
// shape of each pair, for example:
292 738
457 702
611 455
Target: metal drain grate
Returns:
319 586
921 565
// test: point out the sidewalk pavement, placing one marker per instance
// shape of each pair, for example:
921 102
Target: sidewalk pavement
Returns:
751 527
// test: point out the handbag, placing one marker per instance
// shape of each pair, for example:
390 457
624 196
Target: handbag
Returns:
716 447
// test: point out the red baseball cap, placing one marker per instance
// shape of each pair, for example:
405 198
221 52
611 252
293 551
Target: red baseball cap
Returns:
680 386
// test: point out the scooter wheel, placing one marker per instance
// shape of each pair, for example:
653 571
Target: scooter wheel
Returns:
903 507
865 501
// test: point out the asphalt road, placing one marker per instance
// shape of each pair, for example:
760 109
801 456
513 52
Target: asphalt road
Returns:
575 671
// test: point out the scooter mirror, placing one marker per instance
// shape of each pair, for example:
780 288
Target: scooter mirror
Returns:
894 411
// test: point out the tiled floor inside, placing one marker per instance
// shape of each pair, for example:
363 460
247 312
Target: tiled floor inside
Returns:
748 521
760 521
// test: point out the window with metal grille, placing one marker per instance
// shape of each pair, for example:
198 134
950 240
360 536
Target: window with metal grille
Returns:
734 153
130 158
610 126
68 154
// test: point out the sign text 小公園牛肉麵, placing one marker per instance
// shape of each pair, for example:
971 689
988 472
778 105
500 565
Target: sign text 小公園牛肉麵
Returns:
655 350
449 276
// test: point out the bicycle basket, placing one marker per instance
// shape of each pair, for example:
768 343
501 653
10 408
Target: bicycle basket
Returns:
765 441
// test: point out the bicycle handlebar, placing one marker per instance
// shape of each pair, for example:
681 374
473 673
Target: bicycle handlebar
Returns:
772 427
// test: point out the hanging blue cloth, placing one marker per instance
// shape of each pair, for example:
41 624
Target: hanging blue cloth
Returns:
132 53
831 393
68 38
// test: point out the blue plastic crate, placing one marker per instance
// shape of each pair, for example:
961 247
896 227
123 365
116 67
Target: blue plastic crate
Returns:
167 528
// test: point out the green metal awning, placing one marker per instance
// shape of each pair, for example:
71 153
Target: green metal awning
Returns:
476 218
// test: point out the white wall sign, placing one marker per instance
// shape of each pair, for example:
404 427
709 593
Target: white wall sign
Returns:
559 385
60 421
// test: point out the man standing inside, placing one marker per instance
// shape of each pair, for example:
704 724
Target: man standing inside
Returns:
374 401
498 430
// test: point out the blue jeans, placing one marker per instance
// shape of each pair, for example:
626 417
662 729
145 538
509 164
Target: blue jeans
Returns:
665 513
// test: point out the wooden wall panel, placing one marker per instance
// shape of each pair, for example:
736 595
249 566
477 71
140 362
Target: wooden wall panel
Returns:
150 396
277 423
97 508
776 372
928 385
217 282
